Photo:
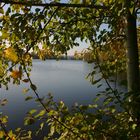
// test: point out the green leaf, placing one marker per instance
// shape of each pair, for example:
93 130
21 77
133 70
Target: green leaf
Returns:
93 106
25 90
41 126
18 129
113 110
3 102
33 87
30 134
25 80
134 126
52 130
62 137
5 35
4 119
28 98
1 10
131 10
1 69
41 113
99 85
96 81
29 121
32 111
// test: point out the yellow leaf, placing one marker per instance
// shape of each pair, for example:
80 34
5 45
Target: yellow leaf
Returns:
27 57
4 119
1 72
5 35
11 135
25 90
1 69
10 53
42 54
131 10
17 8
16 74
1 134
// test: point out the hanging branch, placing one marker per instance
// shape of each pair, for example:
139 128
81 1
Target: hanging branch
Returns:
41 31
46 109
55 4
114 92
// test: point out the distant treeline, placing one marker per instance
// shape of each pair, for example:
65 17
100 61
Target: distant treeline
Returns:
35 56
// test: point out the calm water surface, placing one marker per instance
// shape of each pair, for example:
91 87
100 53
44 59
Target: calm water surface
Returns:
65 79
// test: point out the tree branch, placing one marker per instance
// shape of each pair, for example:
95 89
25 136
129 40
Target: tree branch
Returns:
41 31
47 109
54 4
110 87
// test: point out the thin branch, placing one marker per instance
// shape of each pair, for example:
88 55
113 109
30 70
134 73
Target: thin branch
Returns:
138 11
114 92
8 71
55 4
33 43
3 5
46 109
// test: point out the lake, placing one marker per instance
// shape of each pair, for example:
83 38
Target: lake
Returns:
65 79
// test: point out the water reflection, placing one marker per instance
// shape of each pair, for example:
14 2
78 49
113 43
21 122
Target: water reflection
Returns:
65 79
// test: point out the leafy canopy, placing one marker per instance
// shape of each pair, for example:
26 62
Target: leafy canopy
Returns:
35 27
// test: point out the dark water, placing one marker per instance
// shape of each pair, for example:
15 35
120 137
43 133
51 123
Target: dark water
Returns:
65 79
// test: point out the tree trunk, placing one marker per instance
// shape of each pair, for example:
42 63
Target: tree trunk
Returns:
133 67
132 54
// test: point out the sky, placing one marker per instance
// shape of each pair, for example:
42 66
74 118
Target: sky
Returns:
82 46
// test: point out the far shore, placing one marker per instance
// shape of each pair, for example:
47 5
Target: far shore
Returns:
59 58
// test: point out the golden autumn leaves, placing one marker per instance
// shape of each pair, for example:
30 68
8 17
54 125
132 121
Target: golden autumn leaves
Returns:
11 55
45 53
16 74
1 69
16 56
